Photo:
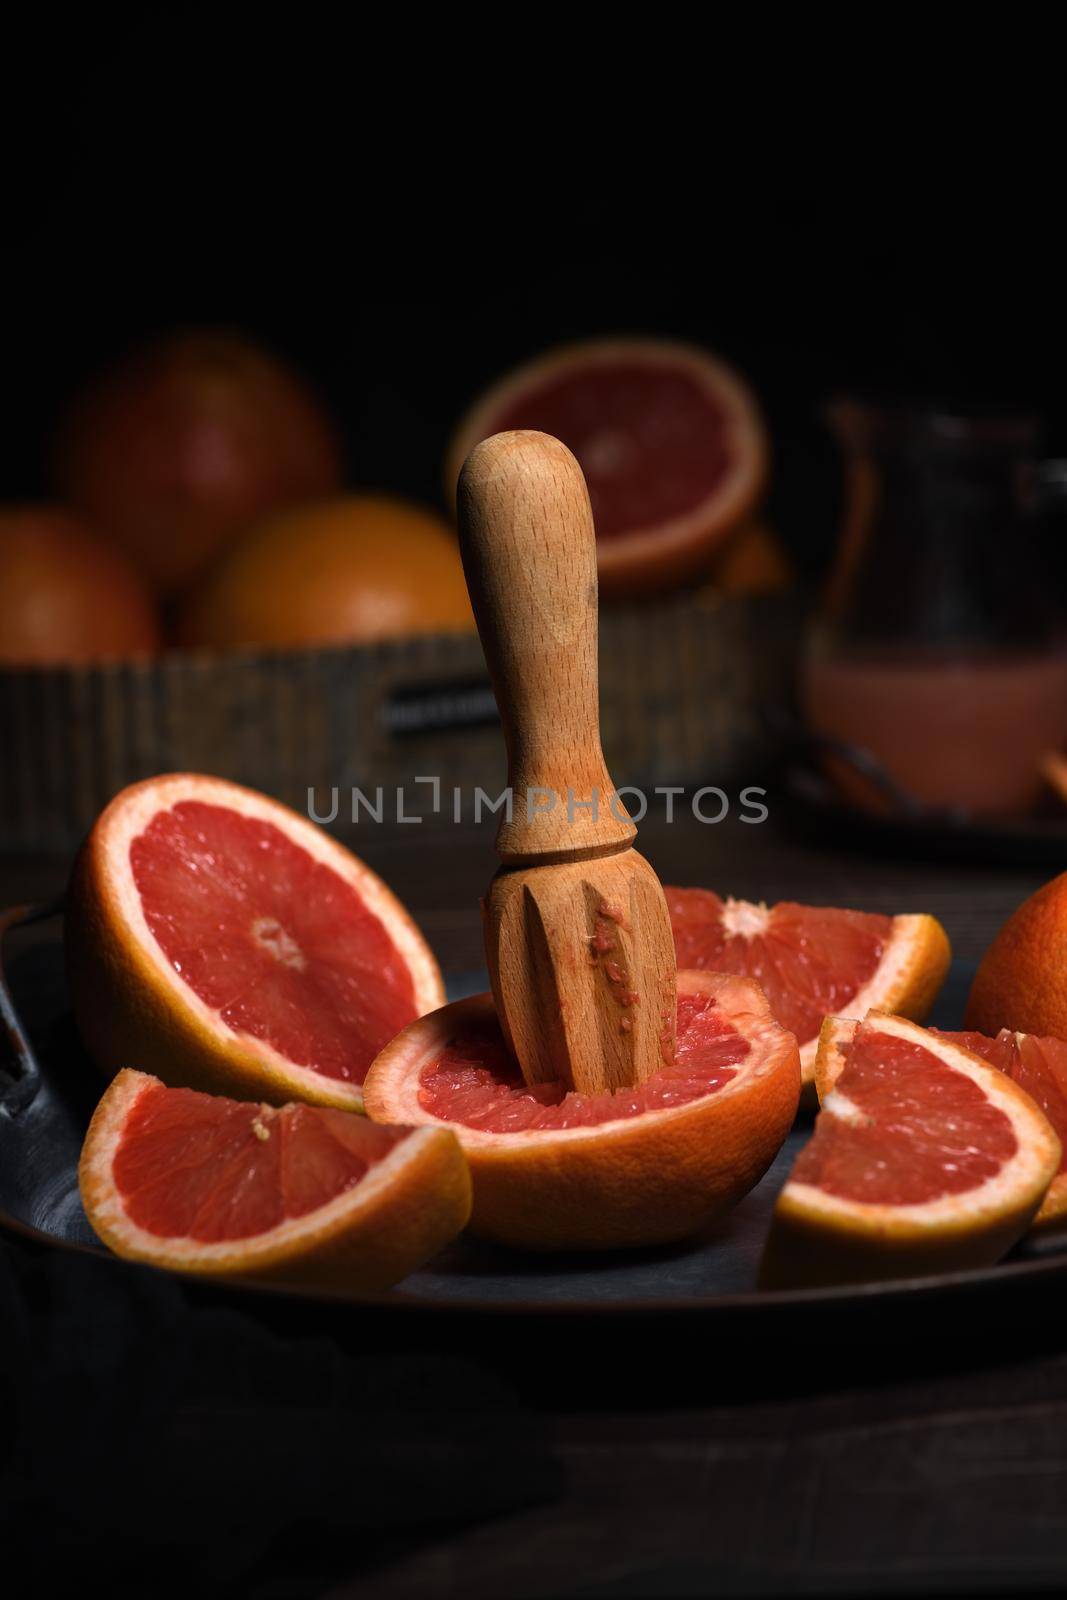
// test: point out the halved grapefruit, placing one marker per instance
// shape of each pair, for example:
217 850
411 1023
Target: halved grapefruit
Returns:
924 1159
226 943
670 439
218 1187
556 1170
1040 1067
813 961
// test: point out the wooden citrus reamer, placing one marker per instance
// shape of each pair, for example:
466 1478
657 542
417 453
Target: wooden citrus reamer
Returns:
578 936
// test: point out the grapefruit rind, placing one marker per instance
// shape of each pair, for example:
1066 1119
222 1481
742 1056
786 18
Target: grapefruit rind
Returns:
1053 1213
411 1203
906 982
672 551
131 1005
1021 982
643 1180
821 1239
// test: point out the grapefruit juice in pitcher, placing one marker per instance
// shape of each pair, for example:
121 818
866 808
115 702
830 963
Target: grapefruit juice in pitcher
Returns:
939 651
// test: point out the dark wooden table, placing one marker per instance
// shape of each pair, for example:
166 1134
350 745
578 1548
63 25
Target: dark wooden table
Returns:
439 871
887 1456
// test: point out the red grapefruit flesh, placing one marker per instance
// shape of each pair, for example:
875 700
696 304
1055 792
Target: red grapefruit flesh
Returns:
559 1170
670 440
203 1184
220 939
1040 1067
924 1159
477 1083
280 946
813 961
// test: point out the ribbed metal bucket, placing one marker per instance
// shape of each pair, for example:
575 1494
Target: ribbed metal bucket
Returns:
684 683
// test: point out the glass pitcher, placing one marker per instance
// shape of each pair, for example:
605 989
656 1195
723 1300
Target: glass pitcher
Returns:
939 650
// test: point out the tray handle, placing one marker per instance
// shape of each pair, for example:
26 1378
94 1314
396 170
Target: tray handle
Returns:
17 1047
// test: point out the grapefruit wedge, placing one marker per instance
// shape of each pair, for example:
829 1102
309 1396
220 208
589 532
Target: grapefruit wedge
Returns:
813 961
1040 1067
670 439
555 1170
300 1194
225 943
924 1159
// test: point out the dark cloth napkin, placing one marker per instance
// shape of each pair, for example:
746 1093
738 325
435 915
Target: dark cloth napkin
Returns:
161 1444
161 1440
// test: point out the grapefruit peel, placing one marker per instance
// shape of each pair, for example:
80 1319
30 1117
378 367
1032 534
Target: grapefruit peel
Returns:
906 981
411 1202
1032 1061
132 1007
645 1179
819 1238
650 557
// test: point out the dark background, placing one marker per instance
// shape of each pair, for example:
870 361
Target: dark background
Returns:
408 215
866 200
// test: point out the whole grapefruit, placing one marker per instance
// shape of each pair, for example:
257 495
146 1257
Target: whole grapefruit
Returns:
66 595
753 561
183 443
350 570
1021 982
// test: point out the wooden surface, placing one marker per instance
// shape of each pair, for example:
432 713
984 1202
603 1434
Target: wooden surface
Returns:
885 1457
529 554
578 936
893 1459
949 1485
589 944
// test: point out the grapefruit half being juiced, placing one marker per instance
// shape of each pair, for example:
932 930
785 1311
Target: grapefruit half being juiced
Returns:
561 1170
813 961
670 439
924 1159
301 1194
221 941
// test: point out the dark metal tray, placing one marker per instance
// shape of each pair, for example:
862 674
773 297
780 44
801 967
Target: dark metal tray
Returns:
49 1090
817 810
